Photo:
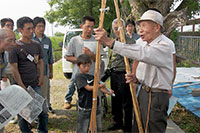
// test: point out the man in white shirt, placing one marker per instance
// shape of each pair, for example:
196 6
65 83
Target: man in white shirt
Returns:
155 70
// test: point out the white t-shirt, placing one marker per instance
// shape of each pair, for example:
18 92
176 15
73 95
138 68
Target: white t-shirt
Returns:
75 47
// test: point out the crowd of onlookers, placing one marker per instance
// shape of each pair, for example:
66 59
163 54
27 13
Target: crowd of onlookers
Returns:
30 63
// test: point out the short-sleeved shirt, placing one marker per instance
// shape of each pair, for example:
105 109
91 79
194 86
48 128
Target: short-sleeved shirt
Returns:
76 45
46 45
84 96
27 68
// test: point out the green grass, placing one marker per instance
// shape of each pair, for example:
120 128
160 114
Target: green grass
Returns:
57 71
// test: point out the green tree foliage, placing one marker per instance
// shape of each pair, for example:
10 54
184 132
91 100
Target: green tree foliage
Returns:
70 12
57 54
17 34
59 34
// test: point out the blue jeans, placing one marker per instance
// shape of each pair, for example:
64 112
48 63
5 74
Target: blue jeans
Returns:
84 120
70 90
43 119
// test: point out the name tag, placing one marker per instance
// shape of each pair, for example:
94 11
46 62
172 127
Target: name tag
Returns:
30 57
46 46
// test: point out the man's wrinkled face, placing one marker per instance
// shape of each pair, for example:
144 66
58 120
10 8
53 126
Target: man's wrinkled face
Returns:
148 30
87 28
9 42
116 30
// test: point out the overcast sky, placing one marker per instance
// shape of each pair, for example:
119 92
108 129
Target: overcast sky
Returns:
18 8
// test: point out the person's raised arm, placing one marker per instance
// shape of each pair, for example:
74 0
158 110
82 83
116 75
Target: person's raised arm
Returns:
101 35
71 59
90 88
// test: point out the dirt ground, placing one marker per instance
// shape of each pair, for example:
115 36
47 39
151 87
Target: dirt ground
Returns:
65 121
61 120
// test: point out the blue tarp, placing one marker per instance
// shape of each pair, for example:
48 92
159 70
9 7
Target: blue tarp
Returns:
185 98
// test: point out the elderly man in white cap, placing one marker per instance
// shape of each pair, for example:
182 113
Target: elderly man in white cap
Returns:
154 72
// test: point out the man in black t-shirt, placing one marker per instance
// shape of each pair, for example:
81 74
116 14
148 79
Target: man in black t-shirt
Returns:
25 60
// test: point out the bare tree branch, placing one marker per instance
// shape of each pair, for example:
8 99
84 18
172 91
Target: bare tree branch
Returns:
124 13
175 19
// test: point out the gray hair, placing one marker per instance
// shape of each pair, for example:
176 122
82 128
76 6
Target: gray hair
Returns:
116 20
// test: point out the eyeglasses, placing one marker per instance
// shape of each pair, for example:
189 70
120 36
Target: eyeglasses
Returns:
40 26
9 25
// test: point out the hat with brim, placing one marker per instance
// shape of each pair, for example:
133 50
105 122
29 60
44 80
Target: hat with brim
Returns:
152 16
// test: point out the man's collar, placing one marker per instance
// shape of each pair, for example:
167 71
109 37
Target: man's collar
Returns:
35 36
157 39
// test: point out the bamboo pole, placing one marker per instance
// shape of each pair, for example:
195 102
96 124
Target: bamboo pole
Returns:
93 125
133 93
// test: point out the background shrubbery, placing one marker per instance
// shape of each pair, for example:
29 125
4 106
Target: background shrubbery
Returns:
57 51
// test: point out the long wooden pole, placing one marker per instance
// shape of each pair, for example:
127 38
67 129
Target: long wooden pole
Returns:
93 125
133 93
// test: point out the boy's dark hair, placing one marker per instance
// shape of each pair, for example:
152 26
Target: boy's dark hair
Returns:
154 9
37 20
23 20
83 59
130 22
4 20
89 18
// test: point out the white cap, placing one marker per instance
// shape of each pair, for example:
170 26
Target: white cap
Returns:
153 16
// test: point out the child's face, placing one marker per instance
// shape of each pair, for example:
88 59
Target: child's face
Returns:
85 68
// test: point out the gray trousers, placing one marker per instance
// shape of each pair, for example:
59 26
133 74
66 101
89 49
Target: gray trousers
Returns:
84 120
158 111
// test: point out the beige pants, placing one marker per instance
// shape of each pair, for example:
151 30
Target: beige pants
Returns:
46 89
